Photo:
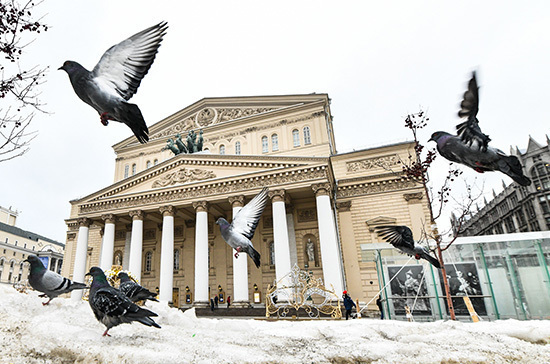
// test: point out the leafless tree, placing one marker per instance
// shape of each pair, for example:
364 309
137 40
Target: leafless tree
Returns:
19 85
417 167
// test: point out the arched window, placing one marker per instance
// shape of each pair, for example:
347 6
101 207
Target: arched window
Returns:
126 171
264 144
222 149
148 164
237 147
274 142
155 162
540 174
148 261
296 138
307 135
134 169
176 259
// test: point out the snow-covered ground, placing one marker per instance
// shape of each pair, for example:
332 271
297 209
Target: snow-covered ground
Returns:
67 332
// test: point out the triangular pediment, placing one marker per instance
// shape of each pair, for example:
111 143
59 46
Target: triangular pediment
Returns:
533 146
210 113
195 170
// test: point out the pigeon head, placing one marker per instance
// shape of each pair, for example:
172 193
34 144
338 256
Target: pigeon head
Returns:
439 136
36 263
222 222
71 67
123 276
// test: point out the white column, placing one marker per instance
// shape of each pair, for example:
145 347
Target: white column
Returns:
280 237
166 285
127 245
330 251
240 265
108 245
136 243
80 256
201 254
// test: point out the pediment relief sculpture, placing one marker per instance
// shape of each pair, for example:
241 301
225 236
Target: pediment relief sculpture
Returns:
183 175
209 116
387 162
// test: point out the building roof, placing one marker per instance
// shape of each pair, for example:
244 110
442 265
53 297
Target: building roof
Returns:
26 234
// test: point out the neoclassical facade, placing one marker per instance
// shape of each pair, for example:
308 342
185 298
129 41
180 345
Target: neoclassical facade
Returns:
158 217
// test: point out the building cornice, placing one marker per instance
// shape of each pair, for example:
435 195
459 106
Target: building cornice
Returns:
205 190
370 188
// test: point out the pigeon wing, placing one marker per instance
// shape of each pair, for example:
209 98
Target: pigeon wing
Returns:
123 66
52 281
400 237
246 220
110 302
469 130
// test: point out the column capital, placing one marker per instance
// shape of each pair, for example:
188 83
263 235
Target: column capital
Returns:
167 210
236 201
109 218
414 197
200 206
137 214
321 189
84 221
343 206
277 195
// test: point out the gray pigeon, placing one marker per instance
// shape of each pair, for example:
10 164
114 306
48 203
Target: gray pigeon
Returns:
401 237
48 282
134 291
241 230
111 307
470 146
116 78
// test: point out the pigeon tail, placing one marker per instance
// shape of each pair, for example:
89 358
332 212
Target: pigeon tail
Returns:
76 285
131 116
255 256
434 261
511 166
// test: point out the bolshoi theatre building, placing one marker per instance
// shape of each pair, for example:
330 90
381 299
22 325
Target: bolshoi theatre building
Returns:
157 219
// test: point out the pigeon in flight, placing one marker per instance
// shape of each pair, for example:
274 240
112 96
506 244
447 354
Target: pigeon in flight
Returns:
470 146
134 291
241 230
111 307
48 282
401 237
116 78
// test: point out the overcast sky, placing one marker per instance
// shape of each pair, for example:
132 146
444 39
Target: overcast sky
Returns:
378 61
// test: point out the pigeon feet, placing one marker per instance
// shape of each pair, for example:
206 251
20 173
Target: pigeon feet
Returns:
106 333
104 118
238 249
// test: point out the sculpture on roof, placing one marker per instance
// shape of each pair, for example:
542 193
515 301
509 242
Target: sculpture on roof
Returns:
192 145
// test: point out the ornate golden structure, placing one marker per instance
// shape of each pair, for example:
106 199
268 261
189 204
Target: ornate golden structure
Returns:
301 290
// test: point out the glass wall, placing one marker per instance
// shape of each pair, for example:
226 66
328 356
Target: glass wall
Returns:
499 276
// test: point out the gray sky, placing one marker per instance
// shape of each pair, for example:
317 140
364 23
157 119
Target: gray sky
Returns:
378 61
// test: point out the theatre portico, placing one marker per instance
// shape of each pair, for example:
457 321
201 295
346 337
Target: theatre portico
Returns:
157 219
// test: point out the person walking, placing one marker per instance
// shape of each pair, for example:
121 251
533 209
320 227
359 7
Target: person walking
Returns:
348 304
379 304
228 301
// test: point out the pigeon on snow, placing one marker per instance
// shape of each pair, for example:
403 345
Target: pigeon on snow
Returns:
401 237
241 230
470 146
111 307
116 78
134 291
48 282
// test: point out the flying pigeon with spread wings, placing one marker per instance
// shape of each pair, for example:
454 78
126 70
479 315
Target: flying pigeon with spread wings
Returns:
241 230
470 146
116 78
401 237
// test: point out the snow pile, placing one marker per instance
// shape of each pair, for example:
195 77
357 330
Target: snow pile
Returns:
67 332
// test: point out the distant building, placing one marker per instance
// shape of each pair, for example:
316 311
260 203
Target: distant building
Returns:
17 244
517 208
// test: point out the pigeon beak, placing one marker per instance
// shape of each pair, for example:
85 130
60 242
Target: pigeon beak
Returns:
431 139
87 274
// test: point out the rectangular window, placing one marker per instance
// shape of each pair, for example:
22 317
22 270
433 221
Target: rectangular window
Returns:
274 142
264 145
